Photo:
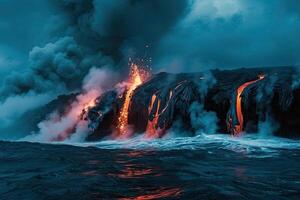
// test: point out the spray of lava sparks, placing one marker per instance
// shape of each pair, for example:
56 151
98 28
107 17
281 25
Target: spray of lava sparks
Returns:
137 77
238 106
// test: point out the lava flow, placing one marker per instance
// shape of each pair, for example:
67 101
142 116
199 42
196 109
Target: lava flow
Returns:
238 106
136 78
151 126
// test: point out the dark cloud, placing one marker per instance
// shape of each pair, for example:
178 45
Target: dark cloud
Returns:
111 26
48 46
233 33
24 24
56 66
85 34
183 36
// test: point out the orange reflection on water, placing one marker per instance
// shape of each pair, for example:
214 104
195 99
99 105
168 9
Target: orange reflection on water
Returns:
132 169
132 172
157 194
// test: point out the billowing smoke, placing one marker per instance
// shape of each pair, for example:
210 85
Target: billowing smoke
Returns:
14 106
71 125
57 66
84 34
267 127
203 121
92 33
264 96
207 82
182 35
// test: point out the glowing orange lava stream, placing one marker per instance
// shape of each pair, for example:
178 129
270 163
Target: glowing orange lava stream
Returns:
152 130
239 128
135 79
151 126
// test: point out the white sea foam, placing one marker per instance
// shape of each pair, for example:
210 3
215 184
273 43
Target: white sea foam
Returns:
250 145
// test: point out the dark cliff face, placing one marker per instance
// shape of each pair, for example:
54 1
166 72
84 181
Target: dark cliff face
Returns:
167 98
173 96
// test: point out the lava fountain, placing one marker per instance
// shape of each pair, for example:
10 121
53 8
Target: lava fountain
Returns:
238 128
136 78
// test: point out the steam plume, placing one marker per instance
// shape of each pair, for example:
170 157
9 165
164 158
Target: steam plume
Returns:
203 121
70 125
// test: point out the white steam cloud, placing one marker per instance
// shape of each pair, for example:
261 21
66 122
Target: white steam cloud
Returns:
70 126
202 121
14 106
268 127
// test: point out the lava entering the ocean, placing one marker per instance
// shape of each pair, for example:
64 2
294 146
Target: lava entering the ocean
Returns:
151 126
136 78
238 128
153 130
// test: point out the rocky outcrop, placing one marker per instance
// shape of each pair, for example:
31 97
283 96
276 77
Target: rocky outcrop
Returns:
166 98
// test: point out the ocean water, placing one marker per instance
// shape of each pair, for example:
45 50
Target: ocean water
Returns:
202 167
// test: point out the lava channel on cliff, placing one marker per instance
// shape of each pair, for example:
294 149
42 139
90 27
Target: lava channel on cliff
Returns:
153 130
237 128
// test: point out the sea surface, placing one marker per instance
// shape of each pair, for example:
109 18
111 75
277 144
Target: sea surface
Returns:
202 167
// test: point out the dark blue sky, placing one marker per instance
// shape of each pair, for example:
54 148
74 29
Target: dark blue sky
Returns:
234 33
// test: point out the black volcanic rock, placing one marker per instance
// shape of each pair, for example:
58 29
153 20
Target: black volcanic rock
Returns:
274 96
103 116
175 92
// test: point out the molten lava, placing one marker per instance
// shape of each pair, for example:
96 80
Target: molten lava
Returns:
152 125
136 78
239 128
89 105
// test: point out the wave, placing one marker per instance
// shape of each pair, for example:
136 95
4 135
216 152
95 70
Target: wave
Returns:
250 145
